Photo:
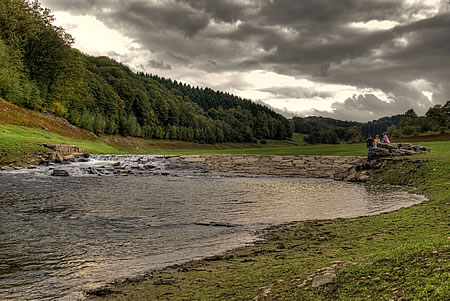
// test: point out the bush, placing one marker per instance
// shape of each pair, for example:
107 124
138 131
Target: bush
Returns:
409 130
263 141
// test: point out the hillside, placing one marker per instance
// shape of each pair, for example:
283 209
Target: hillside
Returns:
14 115
39 70
22 130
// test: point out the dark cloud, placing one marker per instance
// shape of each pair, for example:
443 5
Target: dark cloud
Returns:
296 92
179 59
318 40
77 7
221 10
328 13
370 107
159 65
212 63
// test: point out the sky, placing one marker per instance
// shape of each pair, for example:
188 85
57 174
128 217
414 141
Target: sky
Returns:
356 60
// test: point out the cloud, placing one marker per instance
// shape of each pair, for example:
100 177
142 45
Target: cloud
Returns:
296 92
159 65
392 47
370 107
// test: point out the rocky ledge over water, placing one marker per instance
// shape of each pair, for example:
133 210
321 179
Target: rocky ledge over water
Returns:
61 153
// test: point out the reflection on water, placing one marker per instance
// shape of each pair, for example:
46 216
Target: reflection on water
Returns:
59 236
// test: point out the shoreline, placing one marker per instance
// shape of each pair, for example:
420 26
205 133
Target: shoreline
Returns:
320 248
262 236
315 242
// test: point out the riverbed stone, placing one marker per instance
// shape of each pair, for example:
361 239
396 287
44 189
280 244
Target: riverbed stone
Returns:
60 173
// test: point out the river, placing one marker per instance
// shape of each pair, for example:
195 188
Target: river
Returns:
60 236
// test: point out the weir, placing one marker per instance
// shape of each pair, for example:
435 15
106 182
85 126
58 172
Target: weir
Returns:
346 168
332 167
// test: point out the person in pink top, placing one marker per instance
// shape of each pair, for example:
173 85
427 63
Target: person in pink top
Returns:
385 138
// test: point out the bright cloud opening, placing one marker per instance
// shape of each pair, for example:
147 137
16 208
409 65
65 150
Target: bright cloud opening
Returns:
92 36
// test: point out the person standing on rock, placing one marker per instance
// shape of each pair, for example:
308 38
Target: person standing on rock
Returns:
369 143
385 138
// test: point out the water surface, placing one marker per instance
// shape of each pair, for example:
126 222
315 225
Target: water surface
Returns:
60 236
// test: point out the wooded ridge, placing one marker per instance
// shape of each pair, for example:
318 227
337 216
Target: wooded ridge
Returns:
40 70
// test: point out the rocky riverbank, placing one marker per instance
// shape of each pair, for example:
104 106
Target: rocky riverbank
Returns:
349 168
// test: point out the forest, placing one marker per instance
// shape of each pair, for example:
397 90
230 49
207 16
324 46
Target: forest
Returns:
332 131
40 70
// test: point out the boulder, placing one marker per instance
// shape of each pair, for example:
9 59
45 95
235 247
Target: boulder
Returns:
323 279
70 158
376 153
56 157
363 176
63 152
375 164
60 173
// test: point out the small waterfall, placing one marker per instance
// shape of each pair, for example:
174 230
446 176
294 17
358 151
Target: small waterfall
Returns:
118 165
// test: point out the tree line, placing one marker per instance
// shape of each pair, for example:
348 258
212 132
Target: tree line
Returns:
332 131
40 70
435 120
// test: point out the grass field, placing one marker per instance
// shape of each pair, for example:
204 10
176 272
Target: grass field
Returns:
18 143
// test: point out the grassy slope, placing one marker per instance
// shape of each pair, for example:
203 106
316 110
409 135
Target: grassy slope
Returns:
402 254
21 132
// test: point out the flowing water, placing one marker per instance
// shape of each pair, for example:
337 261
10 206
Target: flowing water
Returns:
60 236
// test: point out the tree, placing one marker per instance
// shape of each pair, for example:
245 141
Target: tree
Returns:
354 135
438 114
410 114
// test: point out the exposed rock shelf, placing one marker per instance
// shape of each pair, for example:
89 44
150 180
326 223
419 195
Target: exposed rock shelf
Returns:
332 167
62 152
351 168
390 150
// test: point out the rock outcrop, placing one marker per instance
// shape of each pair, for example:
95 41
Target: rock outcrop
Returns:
352 168
62 152
331 167
385 150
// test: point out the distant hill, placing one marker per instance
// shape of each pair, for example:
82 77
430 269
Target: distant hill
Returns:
39 70
332 131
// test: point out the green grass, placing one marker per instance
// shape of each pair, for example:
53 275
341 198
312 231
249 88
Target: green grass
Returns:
401 255
317 150
17 143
